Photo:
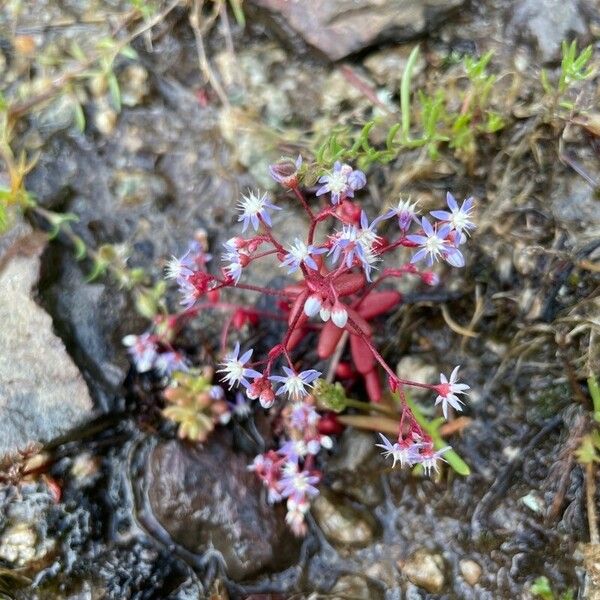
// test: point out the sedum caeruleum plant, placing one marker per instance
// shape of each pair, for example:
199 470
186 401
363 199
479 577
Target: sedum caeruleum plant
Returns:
339 265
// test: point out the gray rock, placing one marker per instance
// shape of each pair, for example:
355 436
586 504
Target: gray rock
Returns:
355 587
341 27
355 468
470 570
42 394
342 523
425 570
547 23
205 507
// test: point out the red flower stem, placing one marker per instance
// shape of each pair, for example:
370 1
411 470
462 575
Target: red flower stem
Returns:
263 290
383 363
270 237
262 254
225 332
304 203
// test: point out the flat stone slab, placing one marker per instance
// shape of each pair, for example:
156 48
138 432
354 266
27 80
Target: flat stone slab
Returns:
339 28
42 393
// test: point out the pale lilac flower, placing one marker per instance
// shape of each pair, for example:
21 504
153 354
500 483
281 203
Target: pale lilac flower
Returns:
189 293
294 384
296 484
300 253
241 408
356 243
235 370
143 351
429 458
178 268
406 213
295 516
169 362
268 469
216 392
341 182
435 245
293 450
406 453
255 207
458 218
303 415
447 391
233 270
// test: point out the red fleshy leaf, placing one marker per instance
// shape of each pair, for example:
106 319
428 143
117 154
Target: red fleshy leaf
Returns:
328 340
363 358
373 385
349 283
377 303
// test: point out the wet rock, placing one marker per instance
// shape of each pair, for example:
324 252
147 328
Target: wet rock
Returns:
93 336
470 570
17 545
24 524
42 394
354 469
416 369
338 28
105 118
133 187
134 85
355 587
547 23
203 507
424 570
387 66
341 522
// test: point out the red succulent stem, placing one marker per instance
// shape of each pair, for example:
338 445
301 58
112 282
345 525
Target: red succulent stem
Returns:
304 203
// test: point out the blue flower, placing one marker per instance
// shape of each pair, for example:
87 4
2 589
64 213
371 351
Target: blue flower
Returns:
458 218
301 253
405 212
296 484
406 453
356 243
254 209
235 370
341 182
143 351
435 245
169 362
294 384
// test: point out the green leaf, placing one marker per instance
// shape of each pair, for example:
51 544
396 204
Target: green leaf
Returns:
79 116
405 92
594 388
541 587
115 90
128 52
79 249
545 82
238 12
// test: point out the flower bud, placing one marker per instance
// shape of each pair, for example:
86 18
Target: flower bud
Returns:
285 172
267 398
430 278
325 313
339 315
312 305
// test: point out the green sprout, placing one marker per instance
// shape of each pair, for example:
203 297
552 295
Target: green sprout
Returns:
541 589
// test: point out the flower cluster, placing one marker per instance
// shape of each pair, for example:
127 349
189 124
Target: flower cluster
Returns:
341 285
288 473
